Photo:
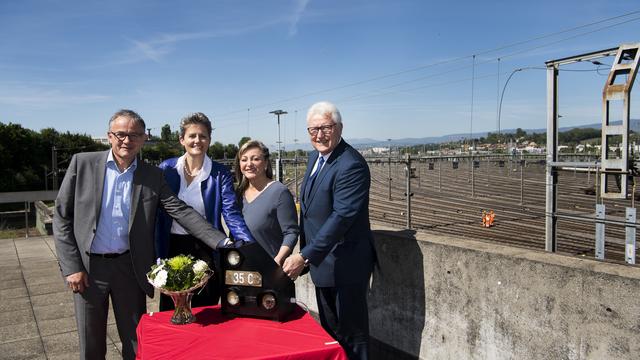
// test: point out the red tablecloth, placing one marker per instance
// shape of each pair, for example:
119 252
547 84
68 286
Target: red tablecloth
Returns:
216 336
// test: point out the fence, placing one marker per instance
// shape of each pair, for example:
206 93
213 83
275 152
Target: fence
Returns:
448 194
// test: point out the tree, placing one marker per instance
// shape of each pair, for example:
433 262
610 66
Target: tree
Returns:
165 133
25 155
216 151
242 141
16 157
160 151
230 151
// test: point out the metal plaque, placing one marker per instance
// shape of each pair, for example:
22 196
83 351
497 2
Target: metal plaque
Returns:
243 278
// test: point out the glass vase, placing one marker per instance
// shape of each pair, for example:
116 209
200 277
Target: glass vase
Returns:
182 314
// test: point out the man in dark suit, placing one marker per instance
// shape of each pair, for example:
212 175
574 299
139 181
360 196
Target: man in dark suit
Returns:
103 228
336 238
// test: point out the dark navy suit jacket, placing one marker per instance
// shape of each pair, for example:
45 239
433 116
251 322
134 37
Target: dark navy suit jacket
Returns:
219 198
335 231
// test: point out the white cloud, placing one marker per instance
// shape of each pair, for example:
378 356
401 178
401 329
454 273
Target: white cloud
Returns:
151 51
300 6
21 94
156 49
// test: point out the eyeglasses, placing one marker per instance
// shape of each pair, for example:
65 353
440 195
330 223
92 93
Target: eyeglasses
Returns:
326 129
123 135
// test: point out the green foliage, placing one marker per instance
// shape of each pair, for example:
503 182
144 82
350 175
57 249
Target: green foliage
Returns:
216 150
166 135
180 273
576 136
571 137
156 152
230 151
243 140
26 155
179 262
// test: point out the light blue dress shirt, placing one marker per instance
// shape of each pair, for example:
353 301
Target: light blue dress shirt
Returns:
112 235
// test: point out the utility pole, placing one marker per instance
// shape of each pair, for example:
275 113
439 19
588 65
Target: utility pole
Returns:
389 168
295 160
54 167
408 193
471 139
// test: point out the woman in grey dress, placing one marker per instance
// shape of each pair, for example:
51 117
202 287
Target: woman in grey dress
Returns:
267 205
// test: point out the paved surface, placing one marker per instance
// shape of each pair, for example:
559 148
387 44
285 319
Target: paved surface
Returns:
36 309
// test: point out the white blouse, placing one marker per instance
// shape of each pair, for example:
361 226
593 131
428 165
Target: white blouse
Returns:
191 194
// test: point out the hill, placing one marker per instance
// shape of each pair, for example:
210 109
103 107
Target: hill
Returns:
366 142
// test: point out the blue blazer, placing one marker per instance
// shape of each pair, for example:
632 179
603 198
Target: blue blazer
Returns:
219 198
335 233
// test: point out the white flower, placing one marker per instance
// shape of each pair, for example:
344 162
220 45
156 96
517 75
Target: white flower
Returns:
155 271
200 267
161 279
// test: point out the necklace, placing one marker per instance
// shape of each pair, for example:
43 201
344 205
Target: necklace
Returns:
186 170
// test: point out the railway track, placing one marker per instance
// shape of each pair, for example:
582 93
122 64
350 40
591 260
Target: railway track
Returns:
442 203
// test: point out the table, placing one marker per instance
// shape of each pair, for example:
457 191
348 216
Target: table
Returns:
217 336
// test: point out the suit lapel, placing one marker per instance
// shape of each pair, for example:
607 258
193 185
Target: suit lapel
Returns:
137 191
320 177
99 170
305 182
328 167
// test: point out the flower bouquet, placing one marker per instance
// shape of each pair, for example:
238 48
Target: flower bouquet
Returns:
178 277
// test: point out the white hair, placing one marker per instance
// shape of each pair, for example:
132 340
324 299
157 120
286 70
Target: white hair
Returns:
325 108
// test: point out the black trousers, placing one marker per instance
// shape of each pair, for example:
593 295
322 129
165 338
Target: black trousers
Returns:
189 245
344 315
110 279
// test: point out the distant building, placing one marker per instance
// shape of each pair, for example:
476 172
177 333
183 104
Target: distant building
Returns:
373 151
101 140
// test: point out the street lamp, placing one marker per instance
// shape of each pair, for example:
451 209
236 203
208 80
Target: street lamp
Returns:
504 88
277 113
502 96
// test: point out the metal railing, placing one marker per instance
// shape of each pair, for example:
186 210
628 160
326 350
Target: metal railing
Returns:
26 197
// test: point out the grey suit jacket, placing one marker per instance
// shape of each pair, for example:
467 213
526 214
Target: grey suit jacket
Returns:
77 212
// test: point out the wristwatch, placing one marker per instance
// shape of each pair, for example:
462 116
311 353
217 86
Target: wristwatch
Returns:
306 261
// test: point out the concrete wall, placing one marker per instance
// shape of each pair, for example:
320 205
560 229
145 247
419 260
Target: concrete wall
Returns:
44 218
438 297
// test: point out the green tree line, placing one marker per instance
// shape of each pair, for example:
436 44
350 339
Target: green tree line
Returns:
26 156
571 138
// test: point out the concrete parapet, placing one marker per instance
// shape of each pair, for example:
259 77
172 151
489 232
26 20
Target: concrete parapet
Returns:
440 297
44 218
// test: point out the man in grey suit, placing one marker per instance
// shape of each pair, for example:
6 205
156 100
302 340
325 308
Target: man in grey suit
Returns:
335 234
103 227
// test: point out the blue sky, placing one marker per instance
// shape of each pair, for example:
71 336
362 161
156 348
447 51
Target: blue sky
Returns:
394 68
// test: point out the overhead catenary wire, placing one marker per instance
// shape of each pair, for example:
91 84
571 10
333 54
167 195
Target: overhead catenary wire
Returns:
222 117
377 93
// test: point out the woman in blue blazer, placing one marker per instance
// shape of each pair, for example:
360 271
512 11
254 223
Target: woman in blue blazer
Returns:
206 186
